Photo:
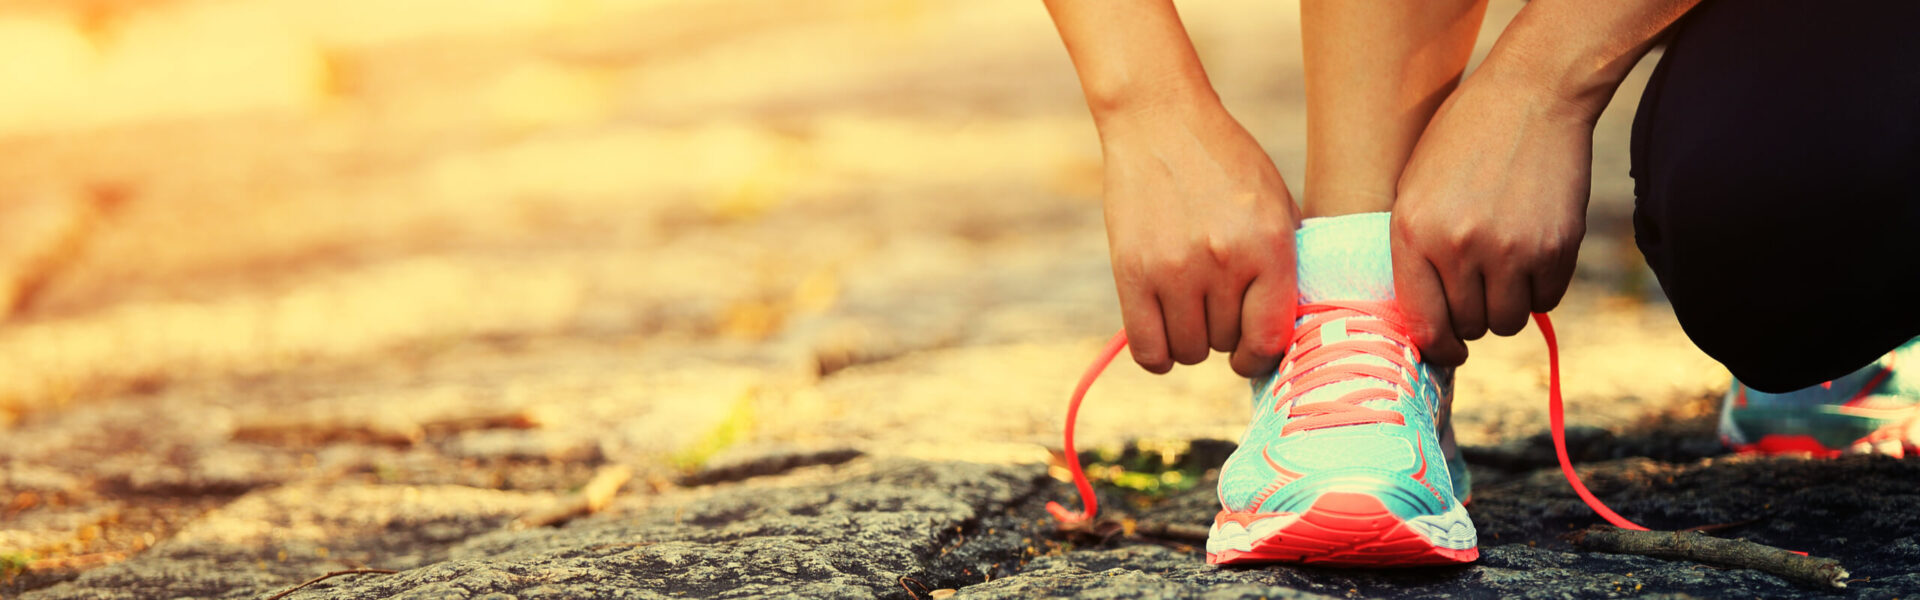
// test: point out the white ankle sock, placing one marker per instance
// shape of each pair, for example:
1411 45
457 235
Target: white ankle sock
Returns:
1348 257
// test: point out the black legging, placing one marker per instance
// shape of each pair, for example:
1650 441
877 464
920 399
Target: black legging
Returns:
1776 159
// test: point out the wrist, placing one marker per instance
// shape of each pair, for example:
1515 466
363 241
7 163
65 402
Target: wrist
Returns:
1552 93
1122 100
1570 61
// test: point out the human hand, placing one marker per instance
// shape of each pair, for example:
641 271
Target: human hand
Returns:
1490 213
1200 230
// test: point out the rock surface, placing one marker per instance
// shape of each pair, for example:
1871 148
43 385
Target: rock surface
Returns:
876 529
852 533
365 282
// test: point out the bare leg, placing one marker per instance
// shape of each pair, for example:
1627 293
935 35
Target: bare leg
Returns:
1376 72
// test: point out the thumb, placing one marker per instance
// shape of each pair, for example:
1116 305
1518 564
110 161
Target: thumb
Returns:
1423 297
1267 313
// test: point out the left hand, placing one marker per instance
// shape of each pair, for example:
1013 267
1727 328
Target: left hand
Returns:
1490 213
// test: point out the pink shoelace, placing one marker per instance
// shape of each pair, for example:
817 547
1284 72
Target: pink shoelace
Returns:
1327 414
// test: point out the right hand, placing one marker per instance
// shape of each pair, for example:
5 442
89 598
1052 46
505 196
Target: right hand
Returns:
1200 228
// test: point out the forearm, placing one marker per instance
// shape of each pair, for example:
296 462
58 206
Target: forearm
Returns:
1572 54
1133 56
1375 72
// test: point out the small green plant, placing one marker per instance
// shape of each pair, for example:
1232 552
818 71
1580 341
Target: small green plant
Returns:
735 426
1153 484
13 563
1151 469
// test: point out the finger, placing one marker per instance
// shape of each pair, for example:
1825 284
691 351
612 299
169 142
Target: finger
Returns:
1466 294
1550 286
1146 335
1185 314
1509 296
1417 285
1267 312
1223 315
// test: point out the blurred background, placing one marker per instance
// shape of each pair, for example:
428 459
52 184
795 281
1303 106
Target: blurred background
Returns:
502 244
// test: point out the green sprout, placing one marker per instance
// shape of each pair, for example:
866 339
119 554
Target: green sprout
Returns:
733 428
13 563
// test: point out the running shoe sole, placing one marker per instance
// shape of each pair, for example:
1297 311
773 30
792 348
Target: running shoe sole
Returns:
1344 529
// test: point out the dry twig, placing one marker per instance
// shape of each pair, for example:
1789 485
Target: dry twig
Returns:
384 428
330 576
520 418
1719 526
1706 549
389 429
903 585
597 494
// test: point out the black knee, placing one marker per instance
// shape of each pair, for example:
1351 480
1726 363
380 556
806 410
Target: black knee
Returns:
1777 168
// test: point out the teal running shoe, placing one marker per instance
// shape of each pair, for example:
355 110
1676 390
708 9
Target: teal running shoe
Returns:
1875 409
1343 464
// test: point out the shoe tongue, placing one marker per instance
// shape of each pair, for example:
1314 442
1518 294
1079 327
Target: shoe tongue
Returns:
1344 258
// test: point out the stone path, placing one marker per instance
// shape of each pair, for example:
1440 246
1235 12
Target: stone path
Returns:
373 280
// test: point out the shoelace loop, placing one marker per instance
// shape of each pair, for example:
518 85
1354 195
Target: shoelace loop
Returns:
1555 413
1324 347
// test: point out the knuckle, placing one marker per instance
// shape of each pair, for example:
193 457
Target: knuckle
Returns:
1470 328
1506 244
1153 360
1226 343
1267 346
1250 366
1545 301
1130 268
1274 231
1459 237
1220 248
1405 219
1573 233
1190 353
1403 226
1564 241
